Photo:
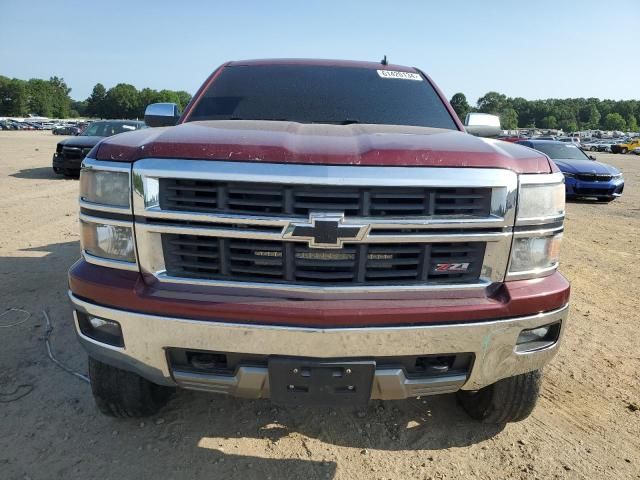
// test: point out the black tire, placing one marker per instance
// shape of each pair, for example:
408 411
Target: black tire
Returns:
594 149
623 150
70 173
509 400
124 394
56 170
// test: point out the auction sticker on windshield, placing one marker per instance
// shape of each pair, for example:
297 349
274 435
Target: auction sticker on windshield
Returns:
400 75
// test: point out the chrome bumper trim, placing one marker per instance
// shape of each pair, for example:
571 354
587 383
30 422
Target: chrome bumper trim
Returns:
253 382
147 336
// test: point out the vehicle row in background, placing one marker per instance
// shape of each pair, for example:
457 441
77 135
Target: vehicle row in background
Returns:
621 144
584 176
71 151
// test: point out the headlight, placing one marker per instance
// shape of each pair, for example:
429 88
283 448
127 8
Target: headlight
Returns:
105 187
616 175
106 240
532 256
541 199
538 233
569 175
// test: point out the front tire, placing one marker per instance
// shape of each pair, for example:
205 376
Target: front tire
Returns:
123 394
623 150
509 400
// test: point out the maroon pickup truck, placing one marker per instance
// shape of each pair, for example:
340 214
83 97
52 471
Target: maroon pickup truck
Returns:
318 233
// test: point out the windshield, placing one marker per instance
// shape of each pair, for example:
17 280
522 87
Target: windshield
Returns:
106 129
321 94
555 150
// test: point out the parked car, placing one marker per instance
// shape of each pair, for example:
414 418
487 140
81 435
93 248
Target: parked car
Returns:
66 130
591 145
573 140
71 151
584 176
626 145
511 138
300 238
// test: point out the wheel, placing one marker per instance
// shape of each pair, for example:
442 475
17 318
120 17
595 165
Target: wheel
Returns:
70 173
123 394
623 150
594 149
56 170
509 400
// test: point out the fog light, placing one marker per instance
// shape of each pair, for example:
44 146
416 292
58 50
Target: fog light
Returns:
101 329
538 338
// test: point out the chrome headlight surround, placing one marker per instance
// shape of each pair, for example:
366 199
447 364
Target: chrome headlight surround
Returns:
541 199
105 186
539 226
106 215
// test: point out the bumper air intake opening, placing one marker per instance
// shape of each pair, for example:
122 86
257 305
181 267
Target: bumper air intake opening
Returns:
538 338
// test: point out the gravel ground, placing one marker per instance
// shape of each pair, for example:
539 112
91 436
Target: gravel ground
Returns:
586 425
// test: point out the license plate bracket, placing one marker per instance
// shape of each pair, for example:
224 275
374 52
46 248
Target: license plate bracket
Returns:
302 381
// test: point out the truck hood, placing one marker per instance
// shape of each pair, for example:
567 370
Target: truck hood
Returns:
80 141
291 142
585 166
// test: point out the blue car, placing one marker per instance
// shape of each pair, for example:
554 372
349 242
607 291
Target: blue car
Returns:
584 176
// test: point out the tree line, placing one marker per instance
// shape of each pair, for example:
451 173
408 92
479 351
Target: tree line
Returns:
50 98
569 114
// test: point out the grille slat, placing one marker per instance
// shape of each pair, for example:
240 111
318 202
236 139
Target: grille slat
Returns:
281 199
195 256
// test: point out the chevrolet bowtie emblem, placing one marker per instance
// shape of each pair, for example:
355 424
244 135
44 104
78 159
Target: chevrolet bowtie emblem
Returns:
326 230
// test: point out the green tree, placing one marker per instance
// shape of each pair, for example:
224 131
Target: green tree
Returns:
614 121
549 122
96 101
122 101
13 97
594 117
492 102
185 98
40 101
460 105
60 100
509 119
632 123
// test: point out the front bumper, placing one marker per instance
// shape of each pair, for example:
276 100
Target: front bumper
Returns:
61 161
579 188
147 339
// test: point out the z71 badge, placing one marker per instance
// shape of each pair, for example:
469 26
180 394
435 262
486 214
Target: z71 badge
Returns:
452 267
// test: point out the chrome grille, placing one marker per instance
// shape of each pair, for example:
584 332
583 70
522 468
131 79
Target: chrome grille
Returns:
235 225
281 199
267 261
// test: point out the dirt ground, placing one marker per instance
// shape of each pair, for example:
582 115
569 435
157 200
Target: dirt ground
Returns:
586 425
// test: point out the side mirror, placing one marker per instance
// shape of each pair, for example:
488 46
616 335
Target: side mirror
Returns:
482 124
161 114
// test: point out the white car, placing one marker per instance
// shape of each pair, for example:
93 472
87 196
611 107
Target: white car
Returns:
573 140
591 145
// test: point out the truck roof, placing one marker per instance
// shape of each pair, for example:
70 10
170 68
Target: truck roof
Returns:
322 62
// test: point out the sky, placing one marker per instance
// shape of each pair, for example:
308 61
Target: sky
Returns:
535 49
